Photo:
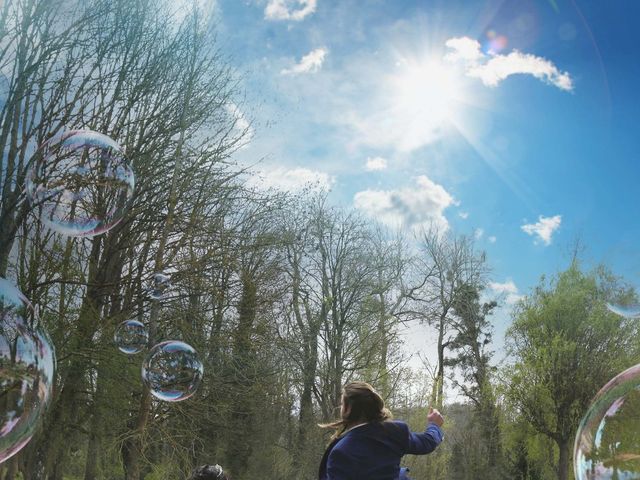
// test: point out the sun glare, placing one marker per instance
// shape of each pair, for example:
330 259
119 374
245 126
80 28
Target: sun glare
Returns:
425 98
427 91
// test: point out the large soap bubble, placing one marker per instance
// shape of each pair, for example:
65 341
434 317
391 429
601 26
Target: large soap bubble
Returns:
607 444
131 336
172 371
81 182
26 370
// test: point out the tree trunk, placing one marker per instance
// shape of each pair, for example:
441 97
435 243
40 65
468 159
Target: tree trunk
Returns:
66 408
439 380
563 460
97 425
11 220
239 443
384 385
310 331
305 418
91 465
12 470
132 447
131 457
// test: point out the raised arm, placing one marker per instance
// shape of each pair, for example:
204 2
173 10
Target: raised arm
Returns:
427 441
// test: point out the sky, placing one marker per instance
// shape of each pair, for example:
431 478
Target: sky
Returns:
512 121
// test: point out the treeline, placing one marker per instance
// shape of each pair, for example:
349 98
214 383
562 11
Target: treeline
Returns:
284 296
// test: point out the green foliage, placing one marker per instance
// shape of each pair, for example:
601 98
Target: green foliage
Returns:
566 345
528 454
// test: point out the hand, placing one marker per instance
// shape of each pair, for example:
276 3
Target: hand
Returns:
435 417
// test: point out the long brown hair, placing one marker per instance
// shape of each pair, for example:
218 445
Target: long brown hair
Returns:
363 404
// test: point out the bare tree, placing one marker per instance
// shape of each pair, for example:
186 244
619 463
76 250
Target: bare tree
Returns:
449 264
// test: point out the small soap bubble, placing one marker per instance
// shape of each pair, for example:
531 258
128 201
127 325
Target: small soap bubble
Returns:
172 371
495 43
627 311
131 337
607 444
80 182
159 286
26 370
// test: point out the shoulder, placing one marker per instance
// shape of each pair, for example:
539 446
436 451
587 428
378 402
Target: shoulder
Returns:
398 425
396 429
343 443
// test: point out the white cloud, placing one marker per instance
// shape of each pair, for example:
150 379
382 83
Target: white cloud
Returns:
294 179
310 63
463 215
507 288
478 233
492 239
376 163
415 206
543 228
464 48
289 9
513 298
500 67
493 68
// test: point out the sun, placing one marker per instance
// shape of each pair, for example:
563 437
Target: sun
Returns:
427 91
425 97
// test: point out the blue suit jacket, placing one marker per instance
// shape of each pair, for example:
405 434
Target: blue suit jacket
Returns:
373 451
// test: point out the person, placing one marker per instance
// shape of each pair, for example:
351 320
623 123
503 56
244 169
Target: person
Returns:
368 444
209 472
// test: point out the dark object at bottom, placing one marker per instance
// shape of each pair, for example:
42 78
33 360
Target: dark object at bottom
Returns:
209 472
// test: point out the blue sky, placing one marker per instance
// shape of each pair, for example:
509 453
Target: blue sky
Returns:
511 120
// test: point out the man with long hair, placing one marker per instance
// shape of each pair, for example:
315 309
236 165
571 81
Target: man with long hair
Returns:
367 443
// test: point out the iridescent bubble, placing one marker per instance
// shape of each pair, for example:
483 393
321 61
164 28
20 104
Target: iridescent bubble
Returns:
495 43
172 371
131 337
160 284
26 370
627 311
607 444
81 182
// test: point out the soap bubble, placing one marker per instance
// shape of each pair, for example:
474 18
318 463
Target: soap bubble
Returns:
607 444
161 283
82 183
627 311
26 370
131 337
172 371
